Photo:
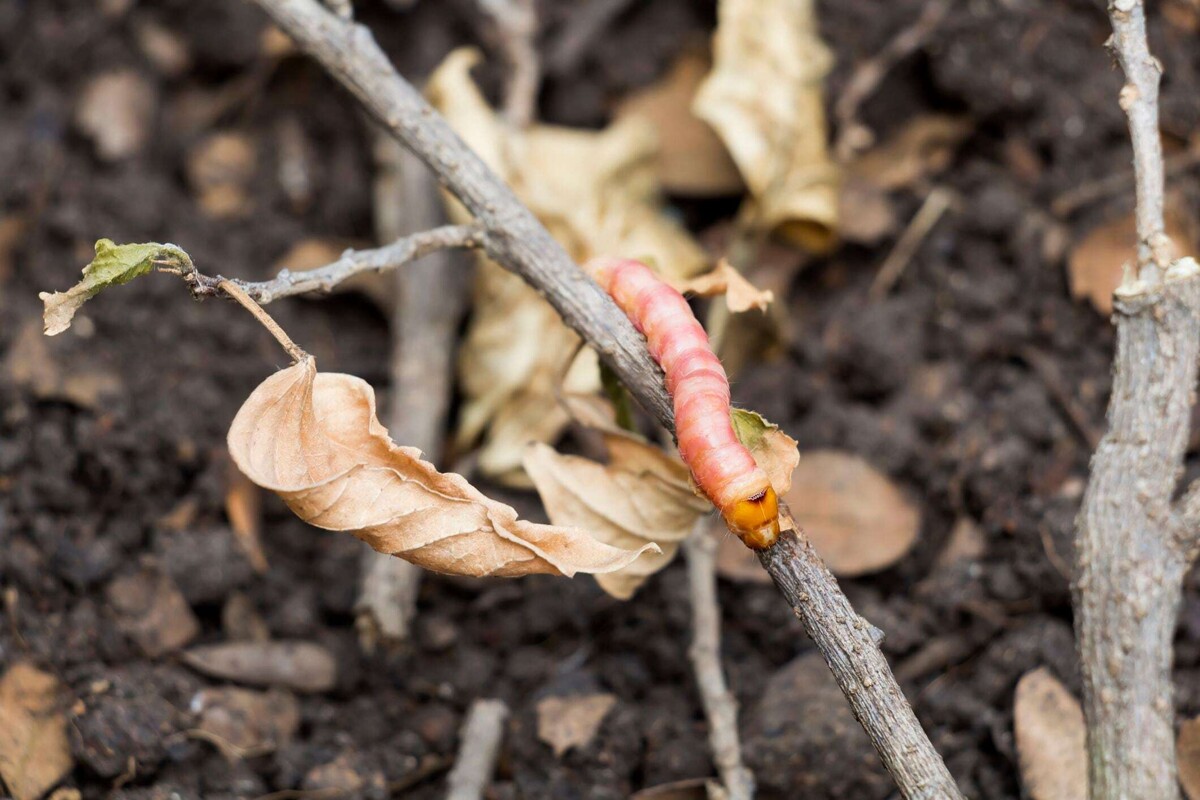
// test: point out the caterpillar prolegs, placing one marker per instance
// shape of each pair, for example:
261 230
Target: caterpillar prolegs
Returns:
721 466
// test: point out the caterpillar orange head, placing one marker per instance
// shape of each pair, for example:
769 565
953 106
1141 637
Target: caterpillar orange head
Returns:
755 519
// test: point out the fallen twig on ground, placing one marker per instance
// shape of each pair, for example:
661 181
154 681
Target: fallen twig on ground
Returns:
705 653
477 750
936 203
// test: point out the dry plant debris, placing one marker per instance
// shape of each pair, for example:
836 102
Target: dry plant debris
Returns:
315 440
220 168
1187 753
301 666
34 751
572 721
31 364
150 610
740 295
642 494
597 193
1050 738
116 111
764 98
244 723
243 507
1096 265
857 519
688 789
692 160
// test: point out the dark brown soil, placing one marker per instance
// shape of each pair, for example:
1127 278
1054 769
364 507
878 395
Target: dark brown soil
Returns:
934 385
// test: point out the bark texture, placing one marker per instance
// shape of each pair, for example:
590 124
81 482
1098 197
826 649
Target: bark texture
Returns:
1133 547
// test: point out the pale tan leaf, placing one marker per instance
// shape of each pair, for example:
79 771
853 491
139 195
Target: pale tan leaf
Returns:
1050 738
1096 265
597 193
687 789
116 111
150 610
572 721
855 517
764 98
34 751
220 168
243 507
642 495
692 159
303 666
924 146
1187 752
314 439
740 295
244 723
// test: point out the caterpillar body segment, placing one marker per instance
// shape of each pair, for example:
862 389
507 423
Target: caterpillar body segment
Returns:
721 466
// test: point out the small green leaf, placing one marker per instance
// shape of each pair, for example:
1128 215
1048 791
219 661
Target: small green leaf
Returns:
113 265
750 428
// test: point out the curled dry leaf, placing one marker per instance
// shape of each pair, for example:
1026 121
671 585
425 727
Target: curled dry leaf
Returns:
740 295
1187 753
1050 737
314 439
302 666
764 98
641 495
244 723
597 193
572 721
855 517
1096 265
692 160
34 751
113 265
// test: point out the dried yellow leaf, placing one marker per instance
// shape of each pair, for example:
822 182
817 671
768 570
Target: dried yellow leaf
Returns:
764 99
740 295
315 440
34 751
598 194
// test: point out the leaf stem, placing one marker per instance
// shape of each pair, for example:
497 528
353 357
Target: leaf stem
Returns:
239 294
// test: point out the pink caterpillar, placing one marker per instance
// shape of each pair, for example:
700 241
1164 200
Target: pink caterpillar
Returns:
721 466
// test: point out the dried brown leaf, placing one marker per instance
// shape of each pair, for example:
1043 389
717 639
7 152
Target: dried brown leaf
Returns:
243 507
1096 265
1050 738
115 112
572 721
31 365
151 611
220 169
34 751
314 439
740 295
245 723
642 495
1187 753
597 193
856 518
302 666
923 147
764 98
687 789
692 160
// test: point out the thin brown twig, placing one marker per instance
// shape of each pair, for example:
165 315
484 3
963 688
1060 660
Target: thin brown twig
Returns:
853 136
1085 194
936 204
520 243
517 23
247 302
352 263
720 707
